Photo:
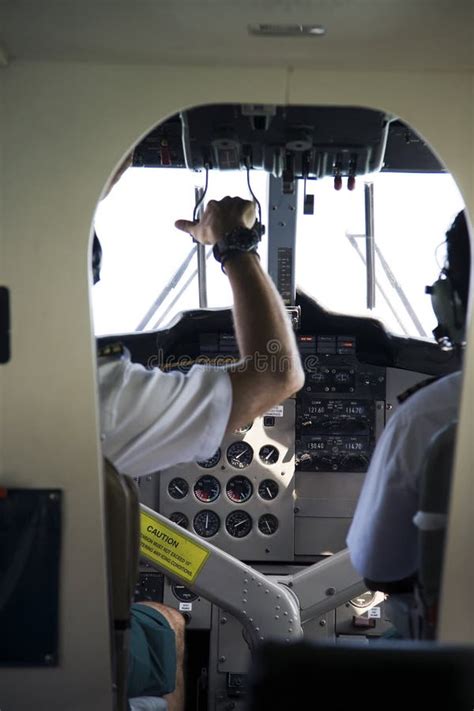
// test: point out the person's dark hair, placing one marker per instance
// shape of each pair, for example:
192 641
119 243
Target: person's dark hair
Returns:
458 253
96 259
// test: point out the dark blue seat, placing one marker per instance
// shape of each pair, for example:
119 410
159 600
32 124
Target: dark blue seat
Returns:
390 675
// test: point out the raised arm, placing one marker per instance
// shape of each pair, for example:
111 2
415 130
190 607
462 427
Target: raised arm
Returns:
270 368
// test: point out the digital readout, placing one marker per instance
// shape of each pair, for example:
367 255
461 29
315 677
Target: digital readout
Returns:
336 445
333 408
317 445
355 410
354 446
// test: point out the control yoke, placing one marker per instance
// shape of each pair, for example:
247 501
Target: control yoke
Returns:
266 606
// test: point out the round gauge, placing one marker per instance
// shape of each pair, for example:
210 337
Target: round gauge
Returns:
206 523
239 489
240 455
178 488
209 463
269 454
267 524
180 519
268 489
238 524
244 429
207 489
183 594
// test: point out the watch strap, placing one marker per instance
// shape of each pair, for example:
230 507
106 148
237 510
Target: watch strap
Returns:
237 241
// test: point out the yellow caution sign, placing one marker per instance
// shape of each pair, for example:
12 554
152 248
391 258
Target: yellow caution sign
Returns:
173 551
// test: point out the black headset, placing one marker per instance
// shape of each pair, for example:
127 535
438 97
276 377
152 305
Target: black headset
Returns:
96 259
449 310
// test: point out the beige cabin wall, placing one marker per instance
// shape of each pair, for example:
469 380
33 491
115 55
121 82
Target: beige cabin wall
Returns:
456 622
3 275
66 127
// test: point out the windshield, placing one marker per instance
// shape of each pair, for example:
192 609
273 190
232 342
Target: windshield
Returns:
149 270
411 215
145 257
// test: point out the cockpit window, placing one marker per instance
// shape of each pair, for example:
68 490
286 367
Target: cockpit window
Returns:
149 270
412 212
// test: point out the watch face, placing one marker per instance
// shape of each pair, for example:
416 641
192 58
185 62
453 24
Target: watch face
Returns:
242 239
239 240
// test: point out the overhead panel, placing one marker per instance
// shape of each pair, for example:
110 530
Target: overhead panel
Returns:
289 142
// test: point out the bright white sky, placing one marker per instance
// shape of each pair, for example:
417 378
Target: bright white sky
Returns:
142 249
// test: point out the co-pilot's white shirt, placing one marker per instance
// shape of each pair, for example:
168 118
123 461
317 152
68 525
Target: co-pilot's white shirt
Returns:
151 420
382 539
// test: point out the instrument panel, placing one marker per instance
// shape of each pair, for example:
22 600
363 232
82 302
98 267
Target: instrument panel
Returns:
245 498
341 408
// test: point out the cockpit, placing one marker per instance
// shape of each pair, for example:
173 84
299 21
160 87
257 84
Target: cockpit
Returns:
354 207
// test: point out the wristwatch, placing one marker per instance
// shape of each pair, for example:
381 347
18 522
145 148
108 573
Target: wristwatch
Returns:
239 240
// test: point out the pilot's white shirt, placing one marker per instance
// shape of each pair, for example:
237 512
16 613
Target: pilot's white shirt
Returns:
151 420
382 539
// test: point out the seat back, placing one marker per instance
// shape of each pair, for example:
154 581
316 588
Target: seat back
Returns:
392 675
431 520
414 614
122 533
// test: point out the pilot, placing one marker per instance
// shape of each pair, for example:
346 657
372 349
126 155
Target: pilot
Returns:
151 420
382 539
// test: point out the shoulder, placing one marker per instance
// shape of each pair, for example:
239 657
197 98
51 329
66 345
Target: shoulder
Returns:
406 394
439 392
402 445
113 365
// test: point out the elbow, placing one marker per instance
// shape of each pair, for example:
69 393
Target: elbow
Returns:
298 379
294 375
287 383
255 391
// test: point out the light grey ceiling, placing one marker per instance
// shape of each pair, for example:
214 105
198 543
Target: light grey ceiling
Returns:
379 34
